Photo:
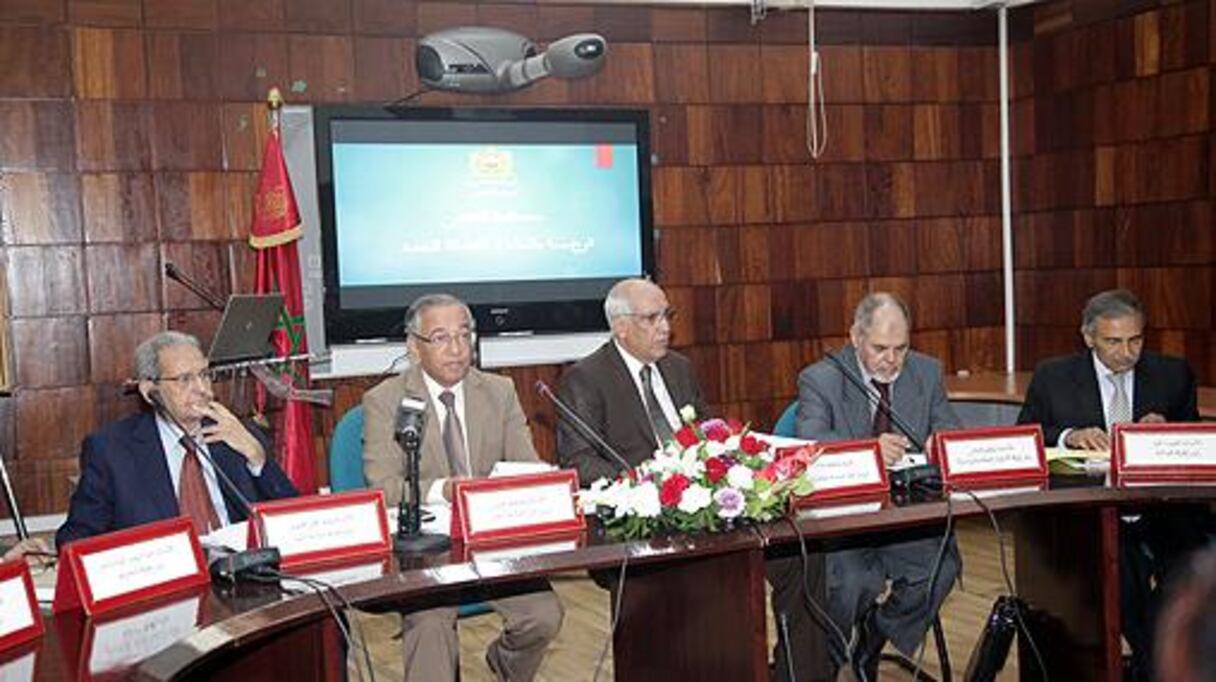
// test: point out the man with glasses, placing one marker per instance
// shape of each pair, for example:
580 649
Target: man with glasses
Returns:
890 588
144 468
631 389
473 420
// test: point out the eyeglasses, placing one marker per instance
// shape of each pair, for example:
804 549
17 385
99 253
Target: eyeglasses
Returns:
203 376
652 319
446 338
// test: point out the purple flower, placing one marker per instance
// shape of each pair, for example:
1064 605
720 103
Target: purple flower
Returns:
730 503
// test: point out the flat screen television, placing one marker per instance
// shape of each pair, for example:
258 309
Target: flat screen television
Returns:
529 215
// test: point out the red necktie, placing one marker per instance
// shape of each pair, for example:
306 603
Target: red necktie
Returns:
882 413
192 496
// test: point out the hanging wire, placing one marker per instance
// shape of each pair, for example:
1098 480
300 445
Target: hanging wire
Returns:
816 109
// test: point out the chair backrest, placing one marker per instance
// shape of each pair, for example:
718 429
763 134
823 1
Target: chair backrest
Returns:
787 423
346 452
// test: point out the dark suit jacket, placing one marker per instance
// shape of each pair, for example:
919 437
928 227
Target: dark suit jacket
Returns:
125 481
600 389
831 408
1063 393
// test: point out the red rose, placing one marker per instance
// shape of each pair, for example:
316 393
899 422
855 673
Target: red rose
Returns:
735 425
751 445
768 473
686 437
715 430
715 469
672 489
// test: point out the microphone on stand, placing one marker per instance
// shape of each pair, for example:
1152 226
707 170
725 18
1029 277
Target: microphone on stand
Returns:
569 413
860 384
407 431
921 475
251 563
175 274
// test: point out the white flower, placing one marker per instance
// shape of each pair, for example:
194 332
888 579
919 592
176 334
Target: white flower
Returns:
695 498
644 500
691 464
740 477
732 442
688 414
713 448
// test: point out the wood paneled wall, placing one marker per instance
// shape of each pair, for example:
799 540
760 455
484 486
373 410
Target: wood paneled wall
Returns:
1113 175
130 135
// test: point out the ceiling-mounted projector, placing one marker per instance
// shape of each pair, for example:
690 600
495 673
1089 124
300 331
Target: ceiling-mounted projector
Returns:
486 60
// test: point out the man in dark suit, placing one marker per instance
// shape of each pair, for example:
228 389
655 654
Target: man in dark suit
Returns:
1077 398
473 419
143 468
631 389
831 408
634 413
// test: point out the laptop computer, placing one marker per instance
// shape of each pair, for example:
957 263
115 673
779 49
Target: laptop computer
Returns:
245 329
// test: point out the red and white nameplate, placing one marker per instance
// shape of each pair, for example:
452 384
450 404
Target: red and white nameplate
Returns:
1167 453
20 620
323 527
990 456
845 469
489 510
108 571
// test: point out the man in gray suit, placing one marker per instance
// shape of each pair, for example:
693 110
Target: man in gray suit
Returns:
473 419
831 408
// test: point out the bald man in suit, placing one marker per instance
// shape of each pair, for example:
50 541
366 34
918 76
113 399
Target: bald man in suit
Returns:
473 419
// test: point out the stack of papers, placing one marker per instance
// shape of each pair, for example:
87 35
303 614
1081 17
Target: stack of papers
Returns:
1066 461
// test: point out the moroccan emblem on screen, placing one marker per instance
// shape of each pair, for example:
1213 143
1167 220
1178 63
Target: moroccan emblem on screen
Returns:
492 163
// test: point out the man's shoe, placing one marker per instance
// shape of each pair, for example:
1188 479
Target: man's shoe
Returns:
868 652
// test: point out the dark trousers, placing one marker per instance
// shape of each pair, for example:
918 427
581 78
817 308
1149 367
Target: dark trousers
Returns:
802 634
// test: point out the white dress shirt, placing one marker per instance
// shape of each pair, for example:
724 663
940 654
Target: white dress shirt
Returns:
435 494
634 365
175 453
1107 391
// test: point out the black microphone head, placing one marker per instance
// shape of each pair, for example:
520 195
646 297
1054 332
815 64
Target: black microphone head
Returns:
411 417
171 268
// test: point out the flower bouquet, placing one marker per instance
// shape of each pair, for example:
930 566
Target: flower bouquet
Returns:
713 475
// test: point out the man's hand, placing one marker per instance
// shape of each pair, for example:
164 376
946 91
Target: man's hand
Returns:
30 548
447 487
1152 418
228 429
893 446
1092 438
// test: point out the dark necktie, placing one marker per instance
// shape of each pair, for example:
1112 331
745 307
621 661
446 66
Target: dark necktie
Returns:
192 496
662 430
453 437
882 413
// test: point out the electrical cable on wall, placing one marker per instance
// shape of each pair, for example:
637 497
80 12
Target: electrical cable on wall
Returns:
816 111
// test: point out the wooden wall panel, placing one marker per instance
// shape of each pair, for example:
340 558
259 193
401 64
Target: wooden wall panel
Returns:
134 138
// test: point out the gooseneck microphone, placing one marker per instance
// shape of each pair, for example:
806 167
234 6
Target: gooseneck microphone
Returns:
407 432
860 384
259 562
569 413
14 509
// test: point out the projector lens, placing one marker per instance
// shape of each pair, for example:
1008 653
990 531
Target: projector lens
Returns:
430 66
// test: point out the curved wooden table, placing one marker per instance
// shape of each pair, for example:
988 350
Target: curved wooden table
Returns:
704 593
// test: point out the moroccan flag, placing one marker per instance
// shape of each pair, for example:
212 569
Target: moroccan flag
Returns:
276 227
